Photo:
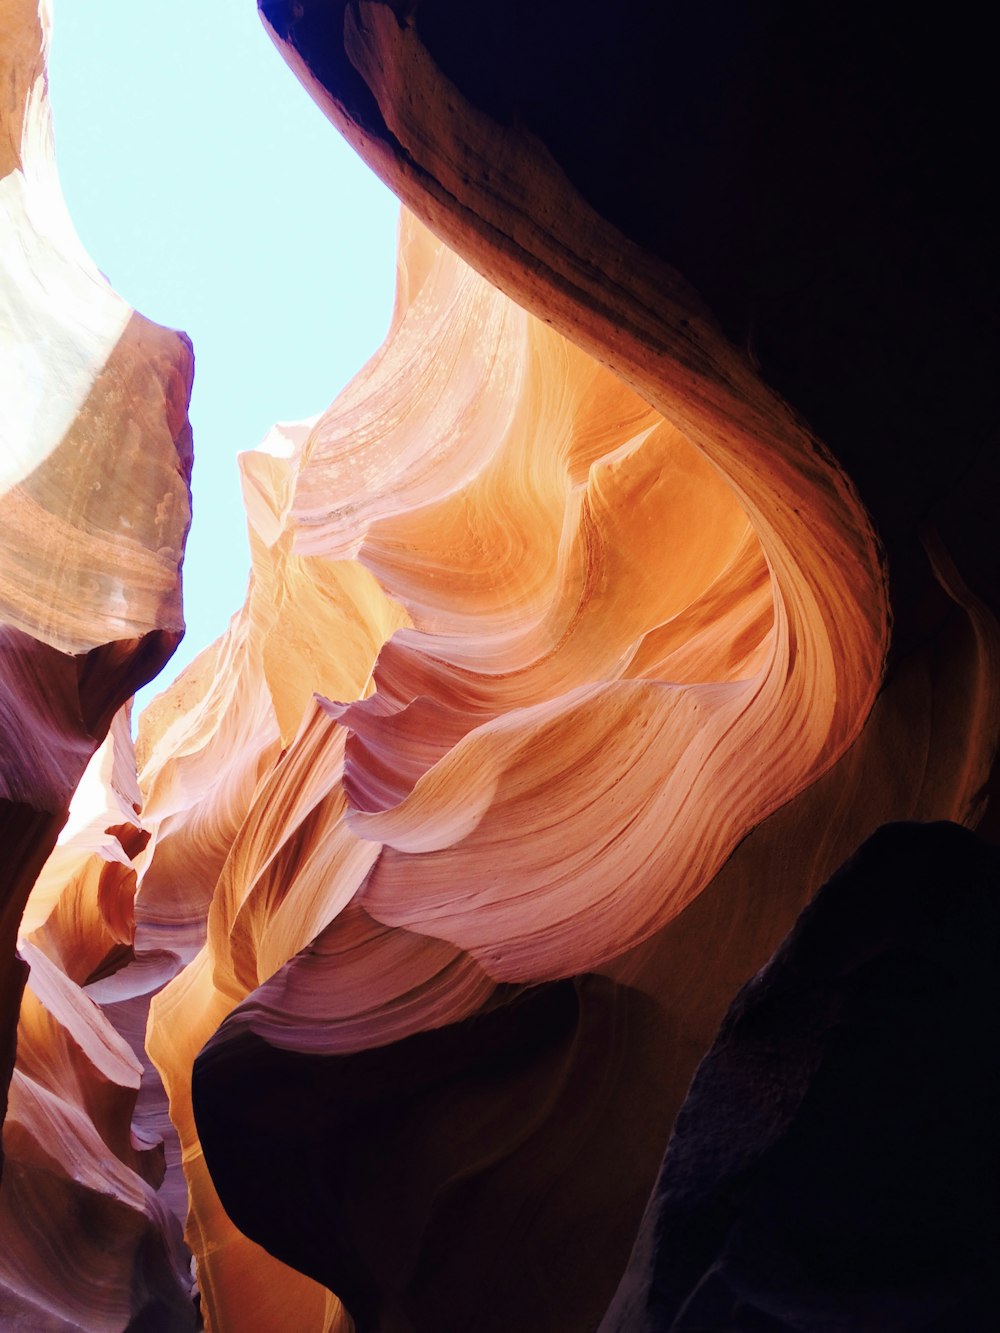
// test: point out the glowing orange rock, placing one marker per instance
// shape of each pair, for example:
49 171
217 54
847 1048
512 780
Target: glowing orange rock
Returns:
545 625
595 636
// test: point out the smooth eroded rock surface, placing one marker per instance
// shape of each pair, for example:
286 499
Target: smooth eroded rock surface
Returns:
95 458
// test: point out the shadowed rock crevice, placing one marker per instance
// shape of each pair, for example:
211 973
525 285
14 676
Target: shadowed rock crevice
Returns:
835 1162
414 1179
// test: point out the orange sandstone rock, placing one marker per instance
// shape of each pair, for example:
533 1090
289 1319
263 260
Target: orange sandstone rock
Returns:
548 635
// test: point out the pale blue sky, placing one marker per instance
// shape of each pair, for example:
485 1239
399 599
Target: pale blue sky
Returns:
219 200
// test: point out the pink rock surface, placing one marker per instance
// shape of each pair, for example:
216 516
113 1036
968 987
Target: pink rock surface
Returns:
95 456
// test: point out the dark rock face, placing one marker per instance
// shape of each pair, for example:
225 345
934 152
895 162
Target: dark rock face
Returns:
835 1165
816 175
419 1180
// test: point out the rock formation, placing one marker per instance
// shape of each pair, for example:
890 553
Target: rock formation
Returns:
835 1163
95 455
639 578
496 504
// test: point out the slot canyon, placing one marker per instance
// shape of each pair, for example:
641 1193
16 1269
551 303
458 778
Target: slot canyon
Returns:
566 899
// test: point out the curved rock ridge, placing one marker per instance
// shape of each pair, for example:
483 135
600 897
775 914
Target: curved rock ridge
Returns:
808 530
508 638
594 630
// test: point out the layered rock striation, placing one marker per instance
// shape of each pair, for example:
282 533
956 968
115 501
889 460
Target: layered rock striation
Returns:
557 627
640 577
95 457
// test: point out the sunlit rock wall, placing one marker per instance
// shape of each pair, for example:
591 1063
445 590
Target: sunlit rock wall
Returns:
512 649
95 455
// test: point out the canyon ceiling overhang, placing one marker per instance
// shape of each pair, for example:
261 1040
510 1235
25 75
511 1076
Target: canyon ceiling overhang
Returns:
810 184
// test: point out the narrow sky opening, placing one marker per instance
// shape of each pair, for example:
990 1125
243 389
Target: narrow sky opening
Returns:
219 200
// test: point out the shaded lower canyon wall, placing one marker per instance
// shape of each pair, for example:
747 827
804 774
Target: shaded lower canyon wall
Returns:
582 644
835 1162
